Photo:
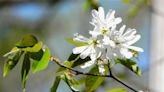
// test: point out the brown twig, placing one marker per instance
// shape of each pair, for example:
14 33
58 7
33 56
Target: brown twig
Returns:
57 61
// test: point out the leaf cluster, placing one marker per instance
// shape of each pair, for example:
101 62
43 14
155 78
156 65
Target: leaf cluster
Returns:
31 53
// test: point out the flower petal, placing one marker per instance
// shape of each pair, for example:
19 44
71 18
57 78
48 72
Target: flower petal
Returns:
101 69
79 50
122 29
126 53
110 15
80 38
86 52
101 12
136 48
87 64
117 20
135 39
94 33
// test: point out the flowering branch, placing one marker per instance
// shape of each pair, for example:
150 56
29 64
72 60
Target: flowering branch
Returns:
57 61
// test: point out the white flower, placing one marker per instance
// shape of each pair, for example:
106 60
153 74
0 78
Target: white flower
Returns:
120 43
91 49
103 24
106 42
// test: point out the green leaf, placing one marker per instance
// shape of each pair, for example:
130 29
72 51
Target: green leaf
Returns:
43 63
70 40
72 57
35 48
80 61
56 84
27 41
11 62
73 61
93 82
11 54
36 55
67 80
25 70
130 64
77 60
66 63
117 90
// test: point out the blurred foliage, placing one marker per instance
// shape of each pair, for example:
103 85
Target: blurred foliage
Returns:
91 4
137 7
117 90
93 82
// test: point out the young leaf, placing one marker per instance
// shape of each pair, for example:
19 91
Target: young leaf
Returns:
73 61
93 82
43 63
80 61
36 55
70 40
25 69
56 84
117 90
77 60
11 54
35 48
27 41
66 63
130 65
11 62
72 57
67 80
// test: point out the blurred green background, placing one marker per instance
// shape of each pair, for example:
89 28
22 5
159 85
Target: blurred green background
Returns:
52 21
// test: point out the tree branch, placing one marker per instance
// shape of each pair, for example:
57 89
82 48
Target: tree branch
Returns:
118 80
57 61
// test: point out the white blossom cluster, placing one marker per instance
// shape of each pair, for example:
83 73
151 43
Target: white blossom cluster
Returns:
106 43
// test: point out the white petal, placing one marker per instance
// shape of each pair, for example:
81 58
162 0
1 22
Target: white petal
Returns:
107 41
86 52
135 39
101 69
126 53
80 49
80 38
117 20
113 27
136 48
93 56
94 13
94 33
122 29
109 54
110 15
128 32
101 12
87 64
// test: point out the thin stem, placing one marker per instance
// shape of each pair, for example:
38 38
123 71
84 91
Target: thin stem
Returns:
118 80
110 72
75 71
90 74
115 78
